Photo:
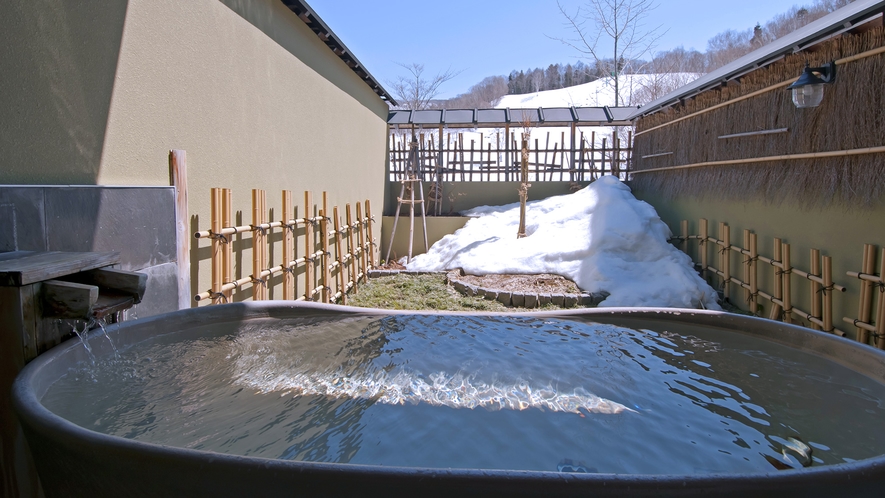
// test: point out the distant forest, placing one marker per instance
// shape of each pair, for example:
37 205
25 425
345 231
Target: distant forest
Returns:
723 48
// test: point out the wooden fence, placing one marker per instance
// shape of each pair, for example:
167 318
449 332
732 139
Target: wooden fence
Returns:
335 258
744 279
485 160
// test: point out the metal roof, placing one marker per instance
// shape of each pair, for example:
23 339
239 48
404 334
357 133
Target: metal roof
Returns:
815 32
497 118
319 27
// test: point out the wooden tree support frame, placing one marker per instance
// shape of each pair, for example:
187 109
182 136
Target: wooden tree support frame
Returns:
316 262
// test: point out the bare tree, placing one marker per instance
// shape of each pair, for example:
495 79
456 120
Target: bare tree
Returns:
620 23
416 91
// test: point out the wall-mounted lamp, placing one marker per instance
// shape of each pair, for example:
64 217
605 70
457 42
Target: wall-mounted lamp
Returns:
808 90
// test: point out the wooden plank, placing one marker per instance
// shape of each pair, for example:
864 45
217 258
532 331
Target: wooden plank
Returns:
178 178
37 267
68 299
131 283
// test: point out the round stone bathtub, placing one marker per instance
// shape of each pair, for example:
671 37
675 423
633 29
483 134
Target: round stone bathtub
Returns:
547 376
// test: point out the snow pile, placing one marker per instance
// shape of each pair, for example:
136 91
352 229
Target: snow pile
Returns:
601 237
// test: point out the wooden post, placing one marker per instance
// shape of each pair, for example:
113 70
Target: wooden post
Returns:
725 261
324 233
288 246
754 277
827 276
866 288
216 223
354 275
702 245
364 266
259 246
778 281
227 250
178 175
308 247
815 288
523 187
572 152
786 273
370 244
748 294
880 313
683 227
337 225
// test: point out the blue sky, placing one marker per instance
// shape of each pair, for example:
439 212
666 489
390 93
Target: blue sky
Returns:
492 37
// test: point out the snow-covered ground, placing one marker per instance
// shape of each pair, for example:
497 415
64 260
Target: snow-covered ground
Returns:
601 237
635 89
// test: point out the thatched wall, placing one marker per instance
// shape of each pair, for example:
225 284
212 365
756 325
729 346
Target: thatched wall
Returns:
850 117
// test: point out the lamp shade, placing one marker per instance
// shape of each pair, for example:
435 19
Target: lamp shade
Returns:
808 95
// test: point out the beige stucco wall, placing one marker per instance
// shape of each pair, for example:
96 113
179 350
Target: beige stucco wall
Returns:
257 101
839 232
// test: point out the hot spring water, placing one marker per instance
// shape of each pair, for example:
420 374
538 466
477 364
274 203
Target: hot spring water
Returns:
488 392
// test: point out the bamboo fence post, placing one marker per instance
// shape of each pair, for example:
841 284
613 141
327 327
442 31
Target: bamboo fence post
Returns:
562 161
753 273
592 167
815 288
725 258
227 263
827 276
217 262
259 245
786 273
178 176
748 294
472 164
683 226
288 245
308 246
324 233
537 162
354 276
364 267
702 245
602 158
370 244
776 308
880 311
572 154
866 287
340 263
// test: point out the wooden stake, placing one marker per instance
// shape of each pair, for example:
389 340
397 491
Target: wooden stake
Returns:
827 312
748 294
753 271
815 288
258 247
880 314
324 233
785 275
364 251
178 176
778 280
227 250
725 258
866 291
216 222
288 246
370 244
702 245
308 246
342 288
683 226
354 276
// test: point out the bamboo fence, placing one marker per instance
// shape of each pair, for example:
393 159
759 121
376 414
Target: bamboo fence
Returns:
743 279
747 139
327 276
456 159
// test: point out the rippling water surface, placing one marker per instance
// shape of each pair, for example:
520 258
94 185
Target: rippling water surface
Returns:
482 392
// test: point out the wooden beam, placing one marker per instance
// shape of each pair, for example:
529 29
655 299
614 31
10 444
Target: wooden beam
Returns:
68 299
